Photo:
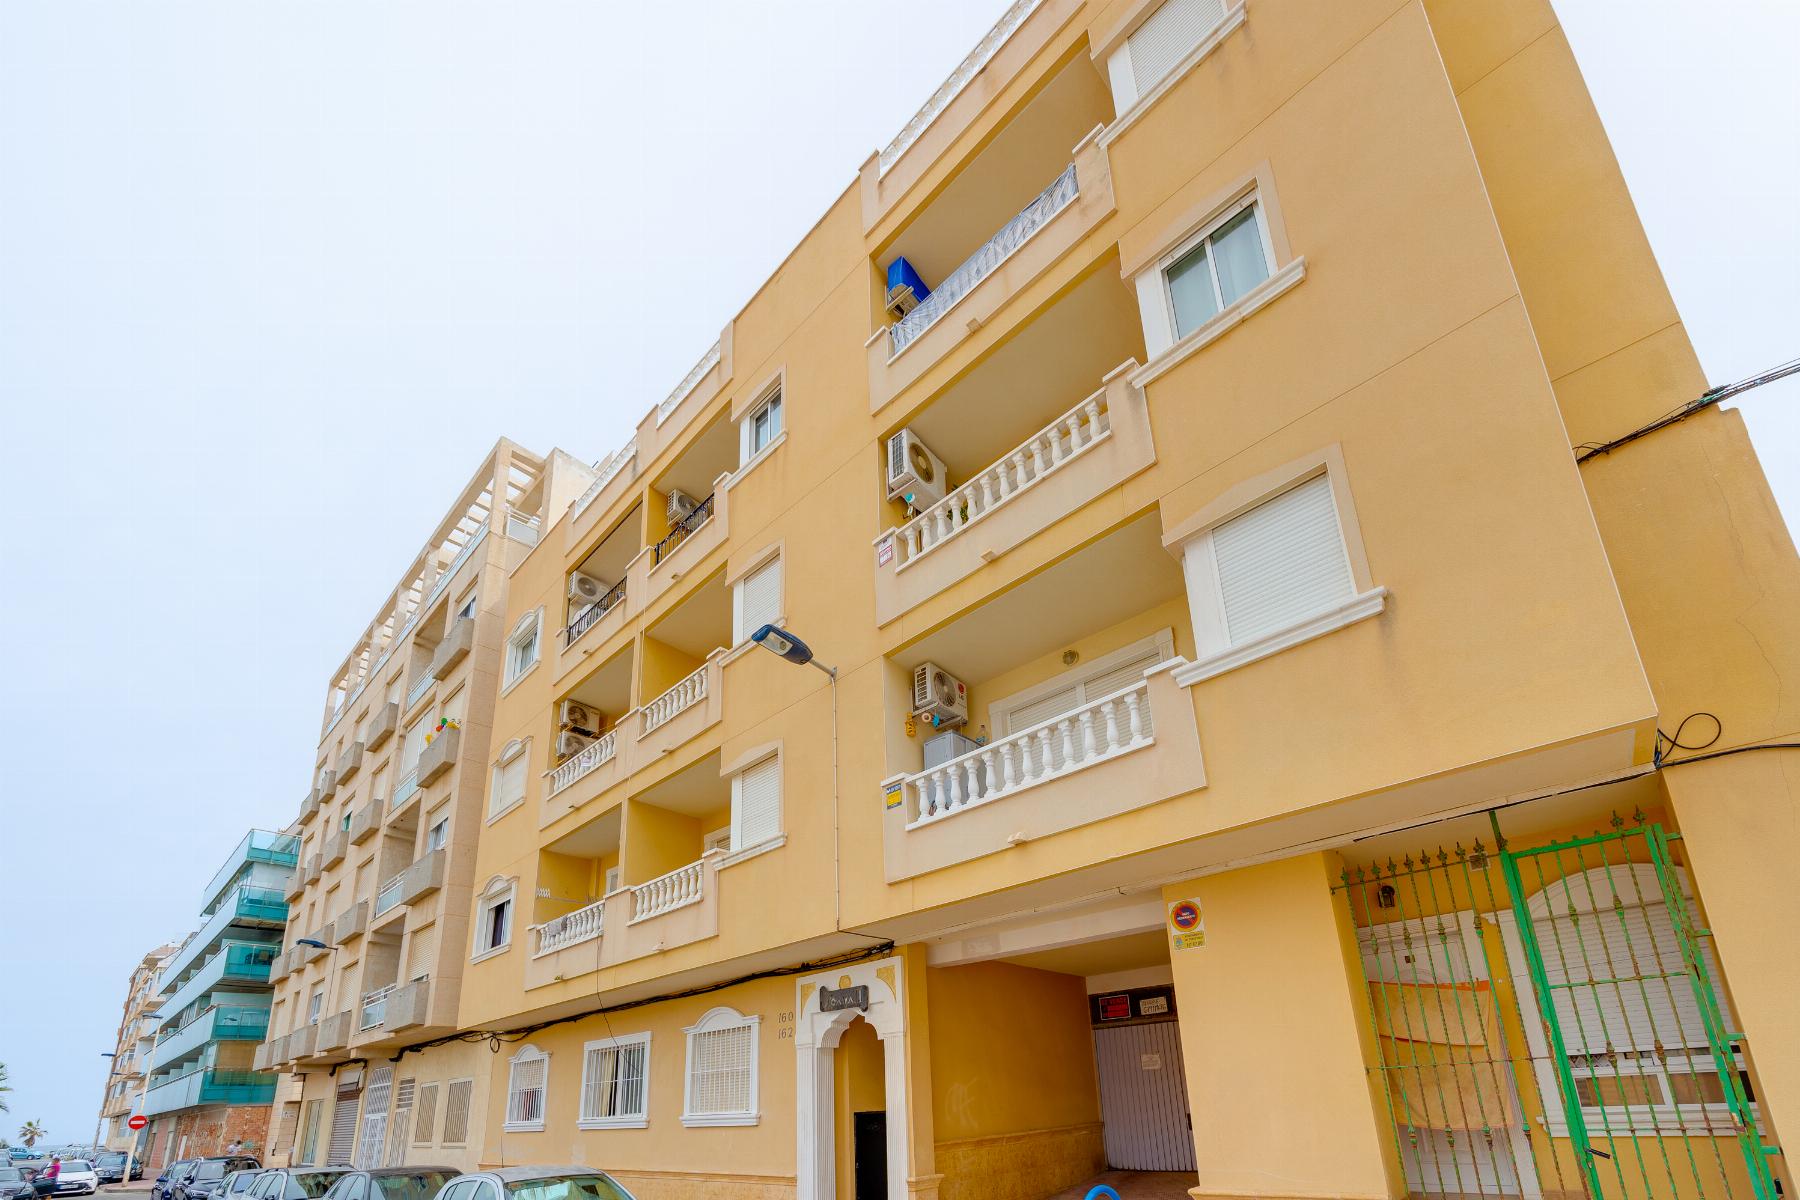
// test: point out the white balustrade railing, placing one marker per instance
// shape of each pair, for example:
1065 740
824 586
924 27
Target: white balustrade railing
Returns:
388 895
570 929
679 887
1041 454
952 87
462 556
979 265
405 790
374 1007
676 700
607 469
590 758
707 362
1093 733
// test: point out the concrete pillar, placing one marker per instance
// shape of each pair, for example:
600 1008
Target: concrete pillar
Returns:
1274 1034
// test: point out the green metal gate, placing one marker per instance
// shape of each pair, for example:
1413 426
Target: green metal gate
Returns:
1546 1022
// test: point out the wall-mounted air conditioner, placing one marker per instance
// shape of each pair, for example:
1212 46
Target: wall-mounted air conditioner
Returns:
568 745
914 473
579 718
679 506
939 696
586 588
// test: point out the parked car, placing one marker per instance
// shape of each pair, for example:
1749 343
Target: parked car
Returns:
160 1189
391 1183
76 1178
237 1183
295 1183
14 1183
110 1166
203 1178
535 1183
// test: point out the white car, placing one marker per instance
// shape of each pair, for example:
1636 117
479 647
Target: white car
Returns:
77 1178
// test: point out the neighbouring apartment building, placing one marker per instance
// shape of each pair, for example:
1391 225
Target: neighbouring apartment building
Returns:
131 1052
212 994
1256 741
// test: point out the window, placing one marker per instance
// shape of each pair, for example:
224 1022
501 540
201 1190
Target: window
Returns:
718 839
762 427
721 1069
615 1082
1080 685
412 746
438 836
309 1141
1268 569
493 918
522 646
1216 268
615 879
1175 35
427 1114
456 1111
756 804
756 600
466 608
509 777
525 1087
313 1006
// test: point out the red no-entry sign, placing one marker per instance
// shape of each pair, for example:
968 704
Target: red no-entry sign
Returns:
138 1121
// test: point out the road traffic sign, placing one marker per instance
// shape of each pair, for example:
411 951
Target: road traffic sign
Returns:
138 1121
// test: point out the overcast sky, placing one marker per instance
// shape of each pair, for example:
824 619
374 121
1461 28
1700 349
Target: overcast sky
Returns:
249 248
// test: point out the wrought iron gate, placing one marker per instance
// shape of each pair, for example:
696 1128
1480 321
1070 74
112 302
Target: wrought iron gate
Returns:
1546 1022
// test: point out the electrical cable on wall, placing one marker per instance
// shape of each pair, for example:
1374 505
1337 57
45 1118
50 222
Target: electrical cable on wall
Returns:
1726 391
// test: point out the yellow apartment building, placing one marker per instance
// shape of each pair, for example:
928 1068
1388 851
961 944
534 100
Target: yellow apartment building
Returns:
1256 751
131 1052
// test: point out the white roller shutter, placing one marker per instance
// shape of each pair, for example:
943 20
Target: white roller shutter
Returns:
1167 35
421 952
343 1125
427 1115
1281 562
722 1070
756 804
758 599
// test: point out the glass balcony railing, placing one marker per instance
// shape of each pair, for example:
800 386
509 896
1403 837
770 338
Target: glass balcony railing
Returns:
209 1086
220 1023
405 790
246 905
234 962
259 845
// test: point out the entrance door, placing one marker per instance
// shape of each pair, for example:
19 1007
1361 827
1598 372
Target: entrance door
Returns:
870 1132
1143 1098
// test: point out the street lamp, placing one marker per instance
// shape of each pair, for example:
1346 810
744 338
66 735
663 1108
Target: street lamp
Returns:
315 943
789 648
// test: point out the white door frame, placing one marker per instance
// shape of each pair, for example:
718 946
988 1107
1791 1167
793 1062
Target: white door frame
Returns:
816 1038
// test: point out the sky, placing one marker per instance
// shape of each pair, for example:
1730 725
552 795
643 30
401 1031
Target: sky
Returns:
246 249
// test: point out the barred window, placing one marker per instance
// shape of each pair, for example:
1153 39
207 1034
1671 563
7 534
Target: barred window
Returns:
615 1082
456 1111
721 1069
427 1114
525 1089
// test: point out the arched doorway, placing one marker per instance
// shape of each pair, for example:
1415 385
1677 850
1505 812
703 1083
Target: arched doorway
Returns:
850 1043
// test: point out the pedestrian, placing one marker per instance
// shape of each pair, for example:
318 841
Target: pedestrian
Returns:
45 1183
236 1147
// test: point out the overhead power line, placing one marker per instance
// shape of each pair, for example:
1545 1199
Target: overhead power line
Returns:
1587 450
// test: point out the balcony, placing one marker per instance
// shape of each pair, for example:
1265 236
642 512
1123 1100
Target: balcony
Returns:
312 954
404 791
387 896
598 753
246 906
666 893
1080 456
591 616
421 685
691 690
333 1034
299 1043
259 845
295 886
309 807
582 925
365 821
373 1010
328 782
350 761
687 544
336 846
383 723
415 883
454 648
353 922
439 756
314 868
409 1006
209 1087
225 1023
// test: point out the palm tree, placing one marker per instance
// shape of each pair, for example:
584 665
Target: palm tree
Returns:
30 1132
5 1087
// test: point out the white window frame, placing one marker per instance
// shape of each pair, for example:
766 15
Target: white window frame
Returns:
637 1120
432 839
1168 333
314 1004
527 1053
774 401
613 880
774 557
508 755
717 1019
734 844
1132 97
718 839
497 892
531 623
466 607
1001 710
1215 653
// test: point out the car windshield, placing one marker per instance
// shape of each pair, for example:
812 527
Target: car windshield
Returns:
567 1187
210 1170
115 1158
417 1185
316 1183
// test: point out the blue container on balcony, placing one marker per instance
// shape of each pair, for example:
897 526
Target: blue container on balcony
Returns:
904 287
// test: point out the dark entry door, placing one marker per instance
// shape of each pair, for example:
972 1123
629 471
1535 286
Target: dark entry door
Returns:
870 1132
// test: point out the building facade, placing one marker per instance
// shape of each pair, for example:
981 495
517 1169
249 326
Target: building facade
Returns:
1258 746
131 1053
213 1008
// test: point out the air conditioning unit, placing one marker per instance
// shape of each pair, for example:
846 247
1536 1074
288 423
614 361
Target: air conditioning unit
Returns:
586 588
914 473
568 745
939 696
579 718
680 505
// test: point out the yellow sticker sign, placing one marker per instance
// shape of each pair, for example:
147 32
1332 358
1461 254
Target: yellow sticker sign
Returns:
1187 927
